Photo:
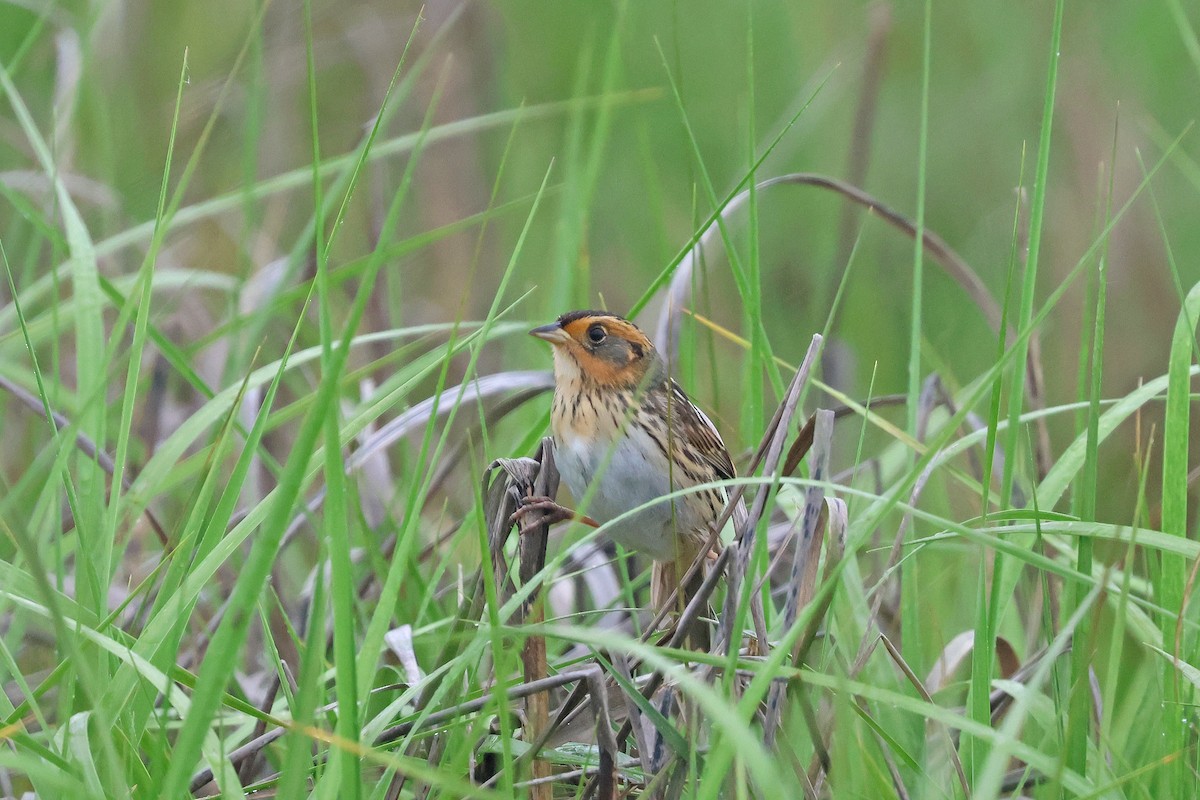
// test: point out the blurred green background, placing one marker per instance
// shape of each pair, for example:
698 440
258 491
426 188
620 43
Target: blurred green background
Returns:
640 118
627 185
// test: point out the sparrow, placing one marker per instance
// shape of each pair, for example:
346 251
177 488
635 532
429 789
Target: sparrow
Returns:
626 435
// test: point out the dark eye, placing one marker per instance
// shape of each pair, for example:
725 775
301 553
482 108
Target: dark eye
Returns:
596 334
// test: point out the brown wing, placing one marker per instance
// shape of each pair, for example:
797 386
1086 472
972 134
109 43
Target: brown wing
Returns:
691 425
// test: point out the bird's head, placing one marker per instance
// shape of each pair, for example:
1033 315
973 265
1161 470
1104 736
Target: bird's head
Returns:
599 347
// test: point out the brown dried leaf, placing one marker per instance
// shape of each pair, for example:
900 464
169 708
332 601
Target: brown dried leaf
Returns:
956 652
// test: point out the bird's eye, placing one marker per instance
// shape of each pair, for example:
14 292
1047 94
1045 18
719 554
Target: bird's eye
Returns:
596 334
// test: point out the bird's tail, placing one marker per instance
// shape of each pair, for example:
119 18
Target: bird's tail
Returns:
665 576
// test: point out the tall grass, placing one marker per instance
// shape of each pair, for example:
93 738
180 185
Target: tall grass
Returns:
262 333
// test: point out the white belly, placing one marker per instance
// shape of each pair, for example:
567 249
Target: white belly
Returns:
607 482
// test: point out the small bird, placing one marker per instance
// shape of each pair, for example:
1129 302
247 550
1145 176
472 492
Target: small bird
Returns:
625 435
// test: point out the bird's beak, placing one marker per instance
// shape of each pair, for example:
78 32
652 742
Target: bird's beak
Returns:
552 333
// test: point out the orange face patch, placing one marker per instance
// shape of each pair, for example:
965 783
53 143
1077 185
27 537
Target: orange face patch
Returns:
578 330
610 350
